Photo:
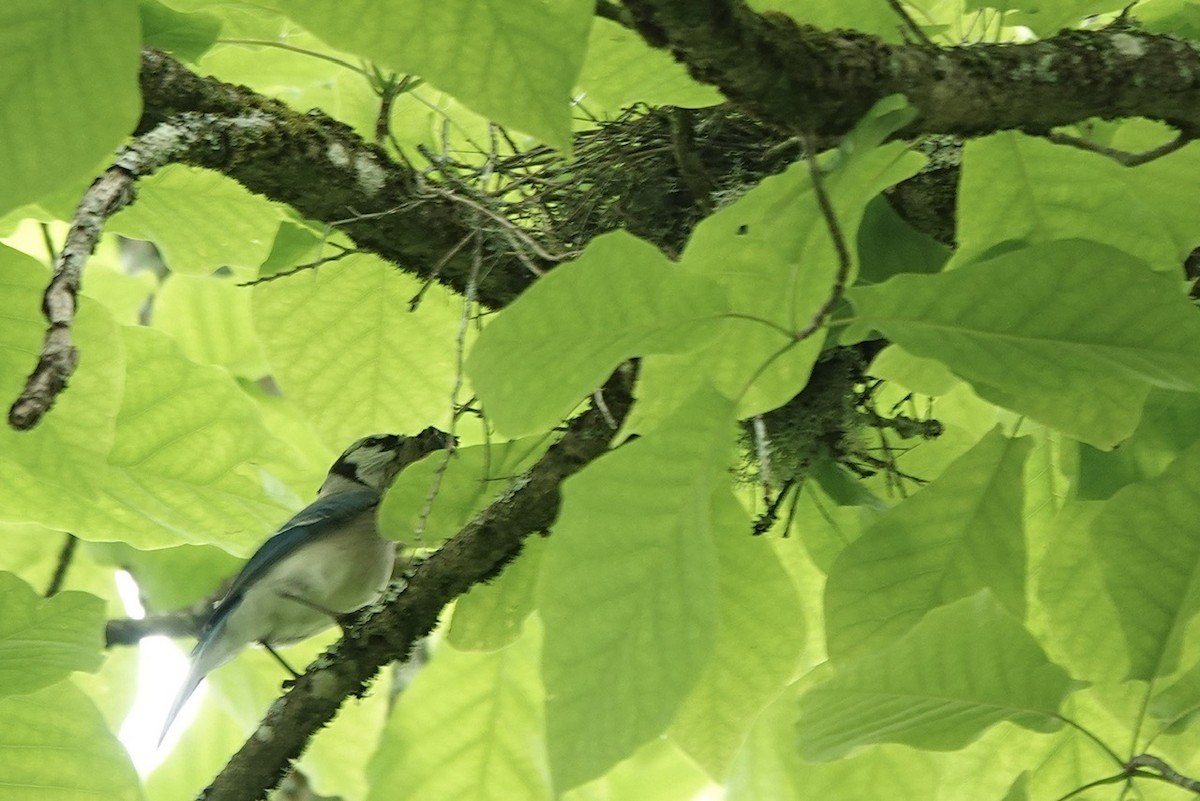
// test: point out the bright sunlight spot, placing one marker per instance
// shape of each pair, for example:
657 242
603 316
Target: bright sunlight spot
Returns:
161 669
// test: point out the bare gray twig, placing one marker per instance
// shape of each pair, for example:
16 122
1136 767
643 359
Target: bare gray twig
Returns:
910 24
839 245
1122 157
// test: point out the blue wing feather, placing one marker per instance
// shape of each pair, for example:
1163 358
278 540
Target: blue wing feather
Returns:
314 521
318 518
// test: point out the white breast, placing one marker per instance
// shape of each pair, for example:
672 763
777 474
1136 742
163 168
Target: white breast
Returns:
339 573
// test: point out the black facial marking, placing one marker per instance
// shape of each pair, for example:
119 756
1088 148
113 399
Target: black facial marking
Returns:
346 468
386 441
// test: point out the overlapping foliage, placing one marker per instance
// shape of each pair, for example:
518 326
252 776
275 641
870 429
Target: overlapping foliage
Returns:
984 586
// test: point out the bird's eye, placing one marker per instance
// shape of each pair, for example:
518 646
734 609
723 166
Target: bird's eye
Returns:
382 441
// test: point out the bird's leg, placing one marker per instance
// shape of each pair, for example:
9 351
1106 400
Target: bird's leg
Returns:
282 662
341 620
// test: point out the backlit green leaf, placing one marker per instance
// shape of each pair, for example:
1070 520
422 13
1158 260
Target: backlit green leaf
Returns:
179 469
470 726
344 346
1176 705
1047 17
209 318
1084 628
1145 542
620 71
620 299
514 63
42 640
1067 332
187 36
434 498
55 744
490 616
772 253
964 668
628 591
62 114
760 632
1169 425
50 474
1022 188
962 533
201 221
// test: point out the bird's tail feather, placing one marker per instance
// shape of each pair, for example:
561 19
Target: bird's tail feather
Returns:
203 660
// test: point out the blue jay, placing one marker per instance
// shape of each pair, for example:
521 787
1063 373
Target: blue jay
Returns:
328 560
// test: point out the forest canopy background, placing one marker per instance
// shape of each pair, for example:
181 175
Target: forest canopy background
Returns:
824 374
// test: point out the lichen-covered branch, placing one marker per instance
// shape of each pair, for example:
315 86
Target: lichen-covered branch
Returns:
477 552
325 171
800 78
784 77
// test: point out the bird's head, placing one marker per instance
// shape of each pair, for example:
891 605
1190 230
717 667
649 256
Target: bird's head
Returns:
375 460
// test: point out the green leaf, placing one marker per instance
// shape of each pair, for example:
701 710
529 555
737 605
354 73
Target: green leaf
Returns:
823 527
292 246
337 764
760 633
867 16
1176 706
620 299
1022 188
47 473
628 590
470 726
490 616
1066 332
180 468
1080 615
842 486
887 245
926 376
42 640
187 36
122 294
770 769
344 346
209 318
472 478
658 771
1145 542
1179 18
60 114
1169 425
773 254
201 220
169 578
962 533
1018 791
514 63
620 71
964 668
54 744
1047 17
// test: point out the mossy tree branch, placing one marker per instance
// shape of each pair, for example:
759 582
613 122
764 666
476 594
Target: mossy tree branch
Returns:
800 78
